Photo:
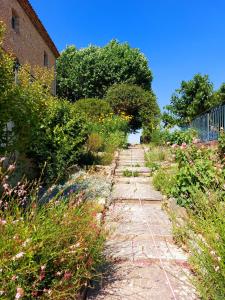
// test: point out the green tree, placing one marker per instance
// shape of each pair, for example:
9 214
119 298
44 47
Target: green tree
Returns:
89 72
136 102
191 99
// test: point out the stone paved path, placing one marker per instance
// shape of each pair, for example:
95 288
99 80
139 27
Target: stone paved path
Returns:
143 261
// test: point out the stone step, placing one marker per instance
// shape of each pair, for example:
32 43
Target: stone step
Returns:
135 192
131 180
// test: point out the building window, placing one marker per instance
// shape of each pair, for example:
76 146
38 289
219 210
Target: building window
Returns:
15 21
46 63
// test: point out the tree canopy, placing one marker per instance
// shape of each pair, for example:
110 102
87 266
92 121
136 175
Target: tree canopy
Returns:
191 99
89 72
134 101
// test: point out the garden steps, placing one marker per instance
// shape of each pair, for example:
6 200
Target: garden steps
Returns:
143 261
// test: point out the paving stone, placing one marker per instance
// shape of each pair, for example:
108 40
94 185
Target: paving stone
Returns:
142 260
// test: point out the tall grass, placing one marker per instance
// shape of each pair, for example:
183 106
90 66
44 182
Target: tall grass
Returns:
49 252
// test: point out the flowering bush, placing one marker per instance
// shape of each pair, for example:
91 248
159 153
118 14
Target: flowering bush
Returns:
49 252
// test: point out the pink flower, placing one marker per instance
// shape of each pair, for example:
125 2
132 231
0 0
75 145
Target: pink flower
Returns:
5 186
183 146
67 275
19 293
11 168
2 222
174 145
14 277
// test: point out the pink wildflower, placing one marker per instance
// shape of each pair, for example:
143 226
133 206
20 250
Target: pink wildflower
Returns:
183 146
174 146
5 186
2 222
14 277
67 275
11 168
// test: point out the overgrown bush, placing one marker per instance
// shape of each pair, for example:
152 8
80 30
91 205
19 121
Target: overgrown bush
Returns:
179 137
36 124
93 108
199 169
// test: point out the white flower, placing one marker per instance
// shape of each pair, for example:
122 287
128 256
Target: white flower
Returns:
1 293
26 242
217 268
19 255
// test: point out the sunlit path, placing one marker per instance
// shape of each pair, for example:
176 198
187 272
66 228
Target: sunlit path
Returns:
144 262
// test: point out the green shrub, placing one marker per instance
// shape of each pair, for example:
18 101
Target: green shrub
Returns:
136 102
179 137
46 130
221 147
60 140
93 108
198 170
94 142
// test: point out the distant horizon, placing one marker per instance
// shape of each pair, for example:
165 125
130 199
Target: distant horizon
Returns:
178 39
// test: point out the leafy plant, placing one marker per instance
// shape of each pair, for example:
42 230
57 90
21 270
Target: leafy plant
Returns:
198 170
94 109
164 179
129 173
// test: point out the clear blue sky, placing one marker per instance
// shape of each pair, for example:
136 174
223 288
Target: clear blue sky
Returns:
179 37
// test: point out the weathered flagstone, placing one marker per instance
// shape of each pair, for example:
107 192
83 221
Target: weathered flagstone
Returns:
142 260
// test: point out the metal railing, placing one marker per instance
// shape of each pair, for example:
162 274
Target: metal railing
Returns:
210 123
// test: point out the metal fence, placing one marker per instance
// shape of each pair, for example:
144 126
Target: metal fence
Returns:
210 123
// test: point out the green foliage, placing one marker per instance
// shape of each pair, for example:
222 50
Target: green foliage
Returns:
134 101
60 140
50 252
179 137
198 170
157 154
45 129
93 108
208 256
89 72
221 144
190 100
203 233
165 179
128 173
94 142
